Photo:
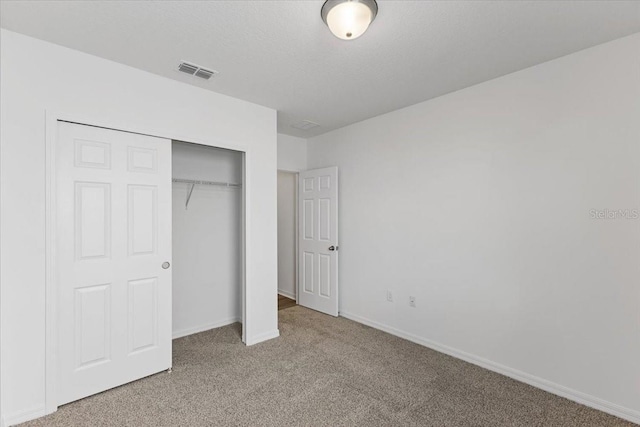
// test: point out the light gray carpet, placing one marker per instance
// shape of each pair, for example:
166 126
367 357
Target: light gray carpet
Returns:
322 371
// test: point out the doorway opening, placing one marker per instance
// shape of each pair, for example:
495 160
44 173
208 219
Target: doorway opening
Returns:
287 239
207 237
308 239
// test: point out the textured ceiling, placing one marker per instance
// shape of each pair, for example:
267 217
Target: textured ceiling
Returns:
281 55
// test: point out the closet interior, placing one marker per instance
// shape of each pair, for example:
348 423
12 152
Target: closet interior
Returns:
207 237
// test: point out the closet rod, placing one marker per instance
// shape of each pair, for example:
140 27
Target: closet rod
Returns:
220 184
193 183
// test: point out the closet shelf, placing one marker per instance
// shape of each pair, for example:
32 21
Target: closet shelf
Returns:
220 184
194 182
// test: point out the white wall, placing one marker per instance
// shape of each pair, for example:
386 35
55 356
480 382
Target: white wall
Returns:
194 161
207 237
39 76
292 153
287 233
478 204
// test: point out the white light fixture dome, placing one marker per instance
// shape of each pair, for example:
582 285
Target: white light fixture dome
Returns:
349 19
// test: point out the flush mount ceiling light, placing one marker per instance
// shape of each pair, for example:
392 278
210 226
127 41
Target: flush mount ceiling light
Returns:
349 19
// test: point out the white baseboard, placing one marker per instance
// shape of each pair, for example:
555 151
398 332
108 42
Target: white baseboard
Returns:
263 337
557 389
202 328
287 294
23 416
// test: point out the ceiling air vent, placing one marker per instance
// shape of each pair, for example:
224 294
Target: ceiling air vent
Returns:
185 67
204 73
305 125
196 70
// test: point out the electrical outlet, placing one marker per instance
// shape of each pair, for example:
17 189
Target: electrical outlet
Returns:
412 302
389 296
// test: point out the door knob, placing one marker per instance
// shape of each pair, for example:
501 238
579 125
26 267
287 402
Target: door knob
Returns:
333 248
166 265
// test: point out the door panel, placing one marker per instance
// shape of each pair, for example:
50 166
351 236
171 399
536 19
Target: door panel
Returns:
307 216
113 217
143 309
324 220
324 270
93 220
93 325
142 159
307 272
318 205
92 154
143 213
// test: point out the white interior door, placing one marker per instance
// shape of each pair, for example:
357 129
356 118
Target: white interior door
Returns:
318 237
113 216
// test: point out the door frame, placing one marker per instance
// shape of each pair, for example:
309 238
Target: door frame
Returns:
295 232
51 304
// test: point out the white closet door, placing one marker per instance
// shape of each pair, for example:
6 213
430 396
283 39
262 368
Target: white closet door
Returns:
113 215
318 237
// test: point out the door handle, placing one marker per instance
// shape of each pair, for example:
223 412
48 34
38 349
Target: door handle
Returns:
166 265
333 248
